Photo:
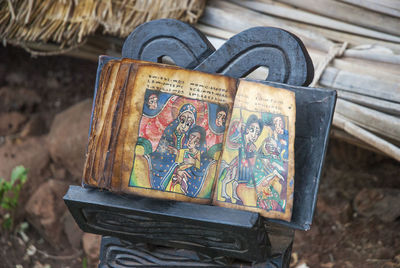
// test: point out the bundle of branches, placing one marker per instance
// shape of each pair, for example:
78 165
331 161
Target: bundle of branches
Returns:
355 50
65 24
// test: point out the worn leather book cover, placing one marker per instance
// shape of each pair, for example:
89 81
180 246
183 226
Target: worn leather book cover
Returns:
165 132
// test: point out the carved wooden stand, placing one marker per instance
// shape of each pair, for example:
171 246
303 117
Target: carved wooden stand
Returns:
140 231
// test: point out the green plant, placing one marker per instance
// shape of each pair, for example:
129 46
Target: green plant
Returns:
9 194
84 262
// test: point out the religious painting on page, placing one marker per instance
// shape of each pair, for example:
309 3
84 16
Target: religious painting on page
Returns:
256 170
165 132
180 141
176 134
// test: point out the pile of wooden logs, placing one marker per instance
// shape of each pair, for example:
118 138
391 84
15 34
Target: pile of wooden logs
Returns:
355 48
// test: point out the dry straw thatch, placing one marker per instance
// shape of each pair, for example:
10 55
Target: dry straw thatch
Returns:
68 22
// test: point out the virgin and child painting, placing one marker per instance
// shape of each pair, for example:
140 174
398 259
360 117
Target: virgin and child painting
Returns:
254 165
179 145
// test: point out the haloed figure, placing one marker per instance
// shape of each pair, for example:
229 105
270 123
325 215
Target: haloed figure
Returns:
271 167
221 117
188 157
280 137
196 139
173 139
186 120
152 101
240 168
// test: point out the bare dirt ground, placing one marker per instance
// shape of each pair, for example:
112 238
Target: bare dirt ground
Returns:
342 235
348 231
38 88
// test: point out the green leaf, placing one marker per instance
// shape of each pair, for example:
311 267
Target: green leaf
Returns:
9 193
14 202
5 186
7 221
5 206
19 172
84 262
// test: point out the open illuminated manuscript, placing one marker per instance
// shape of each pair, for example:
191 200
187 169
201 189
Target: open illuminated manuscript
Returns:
165 132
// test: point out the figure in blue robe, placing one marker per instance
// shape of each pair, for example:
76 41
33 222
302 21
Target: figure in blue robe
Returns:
240 169
162 160
192 164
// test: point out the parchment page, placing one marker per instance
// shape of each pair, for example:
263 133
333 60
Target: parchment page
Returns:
257 166
171 133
